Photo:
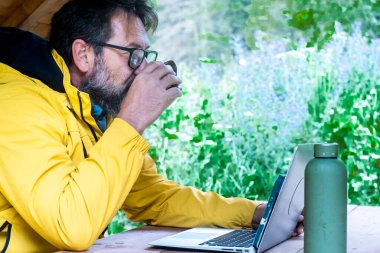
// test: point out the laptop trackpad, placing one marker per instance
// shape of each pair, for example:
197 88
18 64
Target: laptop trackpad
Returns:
194 235
190 237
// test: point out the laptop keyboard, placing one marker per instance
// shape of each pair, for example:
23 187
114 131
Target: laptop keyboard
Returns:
236 238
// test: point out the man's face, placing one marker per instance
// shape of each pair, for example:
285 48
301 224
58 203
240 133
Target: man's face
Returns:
110 78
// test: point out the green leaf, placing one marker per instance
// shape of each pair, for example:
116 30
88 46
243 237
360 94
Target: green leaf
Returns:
208 60
303 20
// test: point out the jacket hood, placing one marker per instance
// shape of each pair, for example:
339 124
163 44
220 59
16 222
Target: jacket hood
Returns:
30 55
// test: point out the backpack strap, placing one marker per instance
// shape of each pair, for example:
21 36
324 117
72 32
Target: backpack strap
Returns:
9 230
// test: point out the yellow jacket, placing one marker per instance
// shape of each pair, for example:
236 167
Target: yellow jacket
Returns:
57 198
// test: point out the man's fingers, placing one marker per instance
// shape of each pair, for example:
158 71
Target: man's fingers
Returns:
158 69
300 228
149 67
171 81
175 91
159 74
162 71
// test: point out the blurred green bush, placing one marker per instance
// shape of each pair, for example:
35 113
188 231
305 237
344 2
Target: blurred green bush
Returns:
311 19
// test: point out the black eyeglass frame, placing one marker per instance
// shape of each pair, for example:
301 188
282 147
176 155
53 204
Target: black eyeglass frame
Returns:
130 50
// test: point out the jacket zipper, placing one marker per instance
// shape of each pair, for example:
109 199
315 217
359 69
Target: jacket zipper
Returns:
88 124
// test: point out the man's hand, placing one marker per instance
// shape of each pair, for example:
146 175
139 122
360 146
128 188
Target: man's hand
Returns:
155 87
259 212
300 227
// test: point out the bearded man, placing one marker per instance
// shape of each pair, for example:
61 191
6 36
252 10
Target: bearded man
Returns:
73 113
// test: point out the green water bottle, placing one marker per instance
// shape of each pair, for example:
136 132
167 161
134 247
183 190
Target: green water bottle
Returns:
325 202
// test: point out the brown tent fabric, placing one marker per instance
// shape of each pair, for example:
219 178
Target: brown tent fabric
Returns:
30 15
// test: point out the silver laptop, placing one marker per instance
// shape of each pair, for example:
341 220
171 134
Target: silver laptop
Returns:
277 225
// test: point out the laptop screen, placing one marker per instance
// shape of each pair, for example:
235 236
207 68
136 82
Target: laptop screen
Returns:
268 211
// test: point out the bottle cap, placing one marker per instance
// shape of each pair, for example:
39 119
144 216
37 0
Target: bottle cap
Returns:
326 150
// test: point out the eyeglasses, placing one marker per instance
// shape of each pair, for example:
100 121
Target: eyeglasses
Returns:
136 55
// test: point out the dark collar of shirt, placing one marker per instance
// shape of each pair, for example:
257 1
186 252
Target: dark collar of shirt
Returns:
100 116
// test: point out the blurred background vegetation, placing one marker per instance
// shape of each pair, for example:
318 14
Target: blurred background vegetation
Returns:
259 77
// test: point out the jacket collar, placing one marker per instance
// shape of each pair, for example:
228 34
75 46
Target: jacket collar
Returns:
32 56
80 101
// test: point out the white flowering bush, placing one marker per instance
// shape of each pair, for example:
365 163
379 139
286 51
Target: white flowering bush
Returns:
238 122
345 109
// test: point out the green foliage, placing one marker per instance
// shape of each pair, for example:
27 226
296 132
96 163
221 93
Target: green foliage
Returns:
292 19
120 223
345 109
243 18
354 123
316 19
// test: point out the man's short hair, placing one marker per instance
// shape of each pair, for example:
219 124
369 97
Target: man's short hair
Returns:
90 20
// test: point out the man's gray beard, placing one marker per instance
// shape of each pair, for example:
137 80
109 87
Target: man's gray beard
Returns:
103 90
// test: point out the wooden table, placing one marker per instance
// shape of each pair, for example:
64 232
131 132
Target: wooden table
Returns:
363 236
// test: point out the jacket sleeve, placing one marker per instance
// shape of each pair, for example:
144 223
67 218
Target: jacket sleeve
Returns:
158 201
69 204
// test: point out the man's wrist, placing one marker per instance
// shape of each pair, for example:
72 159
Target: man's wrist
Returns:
135 124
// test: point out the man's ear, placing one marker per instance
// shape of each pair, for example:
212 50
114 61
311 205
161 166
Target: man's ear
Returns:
83 55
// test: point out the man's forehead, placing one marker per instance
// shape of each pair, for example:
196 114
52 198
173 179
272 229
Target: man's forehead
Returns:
127 28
